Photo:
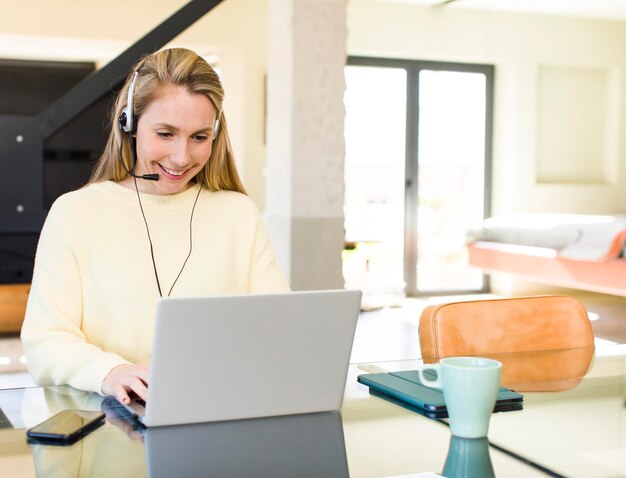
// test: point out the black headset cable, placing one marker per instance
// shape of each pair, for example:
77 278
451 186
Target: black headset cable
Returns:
156 274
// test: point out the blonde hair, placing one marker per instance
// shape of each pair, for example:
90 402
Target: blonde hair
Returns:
172 67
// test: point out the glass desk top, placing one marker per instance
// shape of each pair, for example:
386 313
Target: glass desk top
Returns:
576 430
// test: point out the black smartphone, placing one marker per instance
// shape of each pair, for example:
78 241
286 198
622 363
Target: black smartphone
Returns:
65 427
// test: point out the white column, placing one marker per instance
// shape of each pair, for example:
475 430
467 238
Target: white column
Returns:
305 139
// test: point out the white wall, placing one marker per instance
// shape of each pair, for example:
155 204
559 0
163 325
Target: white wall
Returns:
520 45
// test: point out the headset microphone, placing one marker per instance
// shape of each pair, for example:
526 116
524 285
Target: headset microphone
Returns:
150 177
127 124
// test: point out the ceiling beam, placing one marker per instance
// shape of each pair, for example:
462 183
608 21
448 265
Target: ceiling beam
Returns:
113 74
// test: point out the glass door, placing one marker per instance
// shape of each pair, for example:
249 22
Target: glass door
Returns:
375 132
451 189
418 155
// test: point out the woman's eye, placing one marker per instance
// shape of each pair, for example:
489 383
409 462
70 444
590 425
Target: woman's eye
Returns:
200 137
164 134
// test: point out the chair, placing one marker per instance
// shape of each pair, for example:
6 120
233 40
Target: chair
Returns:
544 343
13 298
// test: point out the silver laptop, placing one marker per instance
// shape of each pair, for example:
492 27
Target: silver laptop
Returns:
249 356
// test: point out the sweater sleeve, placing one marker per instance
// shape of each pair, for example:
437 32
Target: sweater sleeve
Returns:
265 276
57 350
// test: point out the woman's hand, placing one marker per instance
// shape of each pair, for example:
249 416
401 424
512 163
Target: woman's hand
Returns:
125 379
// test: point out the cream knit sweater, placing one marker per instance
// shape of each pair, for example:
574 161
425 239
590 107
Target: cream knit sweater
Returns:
93 298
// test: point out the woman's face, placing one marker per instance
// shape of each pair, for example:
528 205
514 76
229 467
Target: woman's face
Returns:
174 139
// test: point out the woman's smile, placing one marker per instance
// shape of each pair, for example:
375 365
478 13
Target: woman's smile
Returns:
172 173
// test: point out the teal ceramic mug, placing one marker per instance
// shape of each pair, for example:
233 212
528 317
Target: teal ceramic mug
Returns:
470 389
468 458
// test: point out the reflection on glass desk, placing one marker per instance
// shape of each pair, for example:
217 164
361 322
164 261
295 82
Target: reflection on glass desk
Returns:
578 431
310 445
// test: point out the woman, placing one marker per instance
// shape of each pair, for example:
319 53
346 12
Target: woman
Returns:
109 250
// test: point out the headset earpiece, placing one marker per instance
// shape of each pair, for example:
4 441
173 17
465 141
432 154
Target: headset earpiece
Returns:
127 119
216 128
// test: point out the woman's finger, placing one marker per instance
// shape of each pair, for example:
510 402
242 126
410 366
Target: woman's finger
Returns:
143 375
137 386
122 395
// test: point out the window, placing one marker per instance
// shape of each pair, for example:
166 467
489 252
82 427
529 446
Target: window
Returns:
418 162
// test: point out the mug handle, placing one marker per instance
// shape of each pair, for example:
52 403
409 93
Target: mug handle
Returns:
430 383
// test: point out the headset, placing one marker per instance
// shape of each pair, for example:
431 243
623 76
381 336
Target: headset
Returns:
128 124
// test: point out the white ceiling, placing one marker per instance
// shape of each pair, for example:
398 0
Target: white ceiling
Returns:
606 9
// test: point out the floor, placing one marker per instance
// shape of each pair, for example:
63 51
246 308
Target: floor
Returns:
383 334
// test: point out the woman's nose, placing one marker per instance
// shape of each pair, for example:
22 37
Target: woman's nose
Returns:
181 156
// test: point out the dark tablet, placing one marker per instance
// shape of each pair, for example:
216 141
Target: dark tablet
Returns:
406 387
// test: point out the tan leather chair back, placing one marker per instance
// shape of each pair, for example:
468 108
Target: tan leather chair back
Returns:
542 341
